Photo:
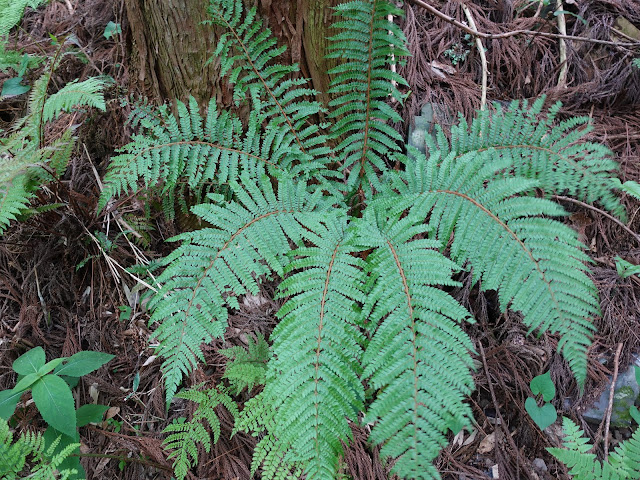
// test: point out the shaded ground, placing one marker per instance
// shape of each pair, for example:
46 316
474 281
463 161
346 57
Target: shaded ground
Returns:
45 301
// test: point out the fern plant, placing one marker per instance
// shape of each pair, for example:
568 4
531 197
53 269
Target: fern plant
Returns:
365 250
45 464
28 159
623 462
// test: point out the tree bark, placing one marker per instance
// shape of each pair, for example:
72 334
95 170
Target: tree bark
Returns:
171 45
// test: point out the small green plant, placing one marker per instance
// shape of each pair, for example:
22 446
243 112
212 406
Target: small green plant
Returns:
45 463
623 463
544 415
247 367
28 157
459 52
50 384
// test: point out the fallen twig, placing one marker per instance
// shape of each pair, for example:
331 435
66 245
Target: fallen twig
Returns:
483 57
562 44
610 405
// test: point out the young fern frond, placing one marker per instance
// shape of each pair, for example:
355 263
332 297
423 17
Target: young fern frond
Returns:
419 357
247 367
185 435
213 266
362 84
25 161
555 155
44 463
248 55
623 462
535 263
313 379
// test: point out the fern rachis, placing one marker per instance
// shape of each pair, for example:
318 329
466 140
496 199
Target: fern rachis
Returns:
362 286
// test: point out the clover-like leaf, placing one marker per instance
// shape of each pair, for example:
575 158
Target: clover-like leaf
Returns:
542 384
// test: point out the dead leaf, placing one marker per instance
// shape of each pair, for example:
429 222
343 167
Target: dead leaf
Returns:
487 444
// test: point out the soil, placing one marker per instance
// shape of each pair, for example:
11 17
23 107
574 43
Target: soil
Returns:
46 301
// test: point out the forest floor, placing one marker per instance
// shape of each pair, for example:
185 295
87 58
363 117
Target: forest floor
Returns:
46 301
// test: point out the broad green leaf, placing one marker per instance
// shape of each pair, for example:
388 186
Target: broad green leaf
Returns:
544 385
30 362
8 401
82 363
12 87
112 29
626 269
54 401
46 368
635 414
637 369
90 413
543 416
26 382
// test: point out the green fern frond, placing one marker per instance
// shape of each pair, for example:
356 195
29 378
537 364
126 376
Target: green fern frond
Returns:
14 199
11 12
185 435
248 56
30 445
419 357
623 463
313 376
249 239
186 148
557 156
363 83
87 93
247 367
270 455
535 263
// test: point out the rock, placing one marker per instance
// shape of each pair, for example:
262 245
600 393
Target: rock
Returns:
424 124
625 394
539 465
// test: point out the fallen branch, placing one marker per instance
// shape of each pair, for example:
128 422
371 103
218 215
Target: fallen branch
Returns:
483 57
610 406
562 44
495 36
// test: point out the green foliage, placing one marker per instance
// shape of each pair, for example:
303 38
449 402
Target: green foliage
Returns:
185 435
247 368
365 252
26 160
11 13
544 415
623 462
49 383
45 463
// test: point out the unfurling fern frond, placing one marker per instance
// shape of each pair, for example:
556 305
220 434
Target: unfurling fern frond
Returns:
185 435
213 266
623 462
14 454
314 373
247 367
362 84
419 357
270 455
535 263
248 55
557 156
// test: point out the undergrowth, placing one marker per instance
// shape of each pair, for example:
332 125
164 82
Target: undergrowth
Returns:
366 237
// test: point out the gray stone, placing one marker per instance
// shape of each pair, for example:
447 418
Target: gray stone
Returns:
625 394
539 465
